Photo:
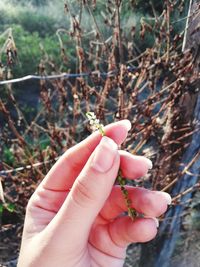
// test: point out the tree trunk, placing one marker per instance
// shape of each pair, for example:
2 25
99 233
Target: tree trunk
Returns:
158 252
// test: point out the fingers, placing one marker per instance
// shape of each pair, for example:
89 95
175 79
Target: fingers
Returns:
113 239
68 167
89 192
133 166
124 231
150 203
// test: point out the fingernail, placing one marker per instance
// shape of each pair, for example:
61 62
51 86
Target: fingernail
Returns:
104 155
153 218
149 163
156 221
127 123
168 197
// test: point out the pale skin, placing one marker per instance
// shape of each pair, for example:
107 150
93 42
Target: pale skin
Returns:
74 218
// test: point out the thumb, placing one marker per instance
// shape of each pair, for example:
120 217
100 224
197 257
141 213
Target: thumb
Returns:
96 180
91 189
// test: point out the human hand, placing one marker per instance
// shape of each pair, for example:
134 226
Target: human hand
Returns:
73 218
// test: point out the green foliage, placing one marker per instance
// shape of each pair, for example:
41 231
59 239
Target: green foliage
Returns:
35 27
8 156
1 209
10 207
44 143
29 53
43 24
31 2
29 50
7 206
33 30
38 2
146 6
29 21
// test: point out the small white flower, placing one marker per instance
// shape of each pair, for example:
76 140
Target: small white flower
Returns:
93 128
91 122
95 123
92 115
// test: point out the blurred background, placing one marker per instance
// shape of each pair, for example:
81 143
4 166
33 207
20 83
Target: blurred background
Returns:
120 59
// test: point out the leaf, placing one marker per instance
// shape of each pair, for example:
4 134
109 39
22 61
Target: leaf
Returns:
8 156
1 209
1 192
10 207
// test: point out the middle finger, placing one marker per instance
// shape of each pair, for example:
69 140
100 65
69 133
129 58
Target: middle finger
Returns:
147 202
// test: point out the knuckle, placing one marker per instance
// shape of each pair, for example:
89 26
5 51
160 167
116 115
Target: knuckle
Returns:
147 200
82 193
152 205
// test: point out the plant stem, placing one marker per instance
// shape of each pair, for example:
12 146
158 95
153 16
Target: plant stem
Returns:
122 182
131 211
